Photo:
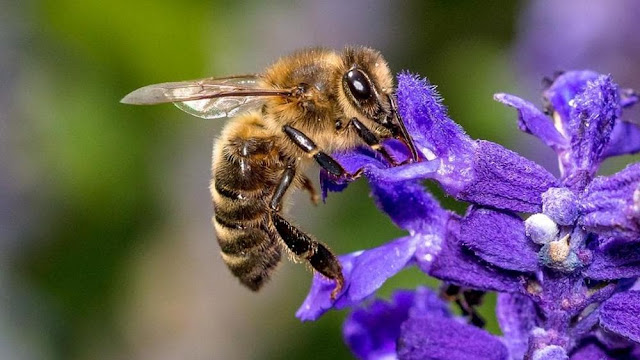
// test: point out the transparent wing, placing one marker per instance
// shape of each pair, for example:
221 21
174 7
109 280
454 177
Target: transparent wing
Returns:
218 107
208 98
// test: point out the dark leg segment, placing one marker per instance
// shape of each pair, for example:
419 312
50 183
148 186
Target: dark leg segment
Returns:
372 140
323 159
320 258
301 244
285 181
299 138
328 163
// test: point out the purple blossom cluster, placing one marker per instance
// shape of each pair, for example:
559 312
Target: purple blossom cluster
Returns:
562 253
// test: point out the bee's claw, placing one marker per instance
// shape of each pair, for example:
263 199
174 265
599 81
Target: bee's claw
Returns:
336 290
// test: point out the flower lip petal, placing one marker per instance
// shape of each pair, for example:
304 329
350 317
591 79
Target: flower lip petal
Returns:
410 206
318 300
373 267
364 272
371 332
533 121
625 139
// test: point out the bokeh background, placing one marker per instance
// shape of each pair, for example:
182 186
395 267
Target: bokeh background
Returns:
106 247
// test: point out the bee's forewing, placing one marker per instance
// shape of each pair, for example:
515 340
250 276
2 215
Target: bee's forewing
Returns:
208 98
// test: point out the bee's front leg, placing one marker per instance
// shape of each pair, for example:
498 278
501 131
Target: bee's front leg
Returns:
323 159
371 139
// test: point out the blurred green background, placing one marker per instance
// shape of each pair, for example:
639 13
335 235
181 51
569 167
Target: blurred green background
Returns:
107 247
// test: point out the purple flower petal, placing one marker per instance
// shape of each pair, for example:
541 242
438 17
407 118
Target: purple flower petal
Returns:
481 172
611 205
533 121
625 139
460 266
426 119
615 262
476 171
364 272
318 300
506 180
516 315
410 206
621 315
431 337
592 349
372 332
593 114
566 87
373 267
413 209
375 170
427 303
585 324
628 98
499 239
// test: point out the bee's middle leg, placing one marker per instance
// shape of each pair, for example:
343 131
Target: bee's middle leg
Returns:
313 193
301 244
467 300
322 158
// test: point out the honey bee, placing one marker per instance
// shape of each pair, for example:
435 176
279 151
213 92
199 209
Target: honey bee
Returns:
300 109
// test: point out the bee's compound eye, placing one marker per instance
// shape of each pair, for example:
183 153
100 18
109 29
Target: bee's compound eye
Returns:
358 84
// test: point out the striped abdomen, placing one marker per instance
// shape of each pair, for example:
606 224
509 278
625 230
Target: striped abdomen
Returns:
246 170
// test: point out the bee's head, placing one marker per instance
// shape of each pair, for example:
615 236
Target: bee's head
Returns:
366 83
366 92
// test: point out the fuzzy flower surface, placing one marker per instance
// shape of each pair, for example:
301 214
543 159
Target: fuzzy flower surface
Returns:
562 253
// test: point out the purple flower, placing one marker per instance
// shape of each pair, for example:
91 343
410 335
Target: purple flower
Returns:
384 330
564 274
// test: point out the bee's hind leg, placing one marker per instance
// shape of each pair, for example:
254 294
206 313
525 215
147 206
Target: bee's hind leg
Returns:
316 253
301 244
